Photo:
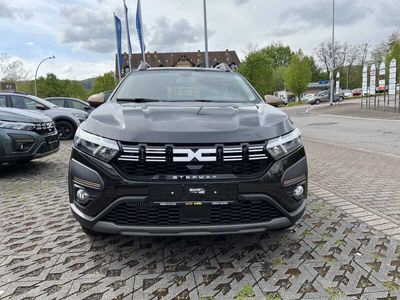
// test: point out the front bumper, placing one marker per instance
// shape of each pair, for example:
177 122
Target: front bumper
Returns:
108 190
39 145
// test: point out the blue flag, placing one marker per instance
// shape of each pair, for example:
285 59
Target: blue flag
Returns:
118 34
139 28
127 30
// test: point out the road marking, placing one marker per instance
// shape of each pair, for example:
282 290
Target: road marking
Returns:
357 118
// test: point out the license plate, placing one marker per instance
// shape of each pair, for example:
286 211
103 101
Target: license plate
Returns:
192 193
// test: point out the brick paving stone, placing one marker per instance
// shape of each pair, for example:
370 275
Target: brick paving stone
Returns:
331 251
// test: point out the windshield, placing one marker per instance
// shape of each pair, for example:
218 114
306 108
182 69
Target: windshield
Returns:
185 85
44 102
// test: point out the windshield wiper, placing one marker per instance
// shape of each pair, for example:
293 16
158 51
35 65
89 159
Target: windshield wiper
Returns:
139 100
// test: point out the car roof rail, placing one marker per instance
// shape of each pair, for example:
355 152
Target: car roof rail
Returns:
143 66
223 67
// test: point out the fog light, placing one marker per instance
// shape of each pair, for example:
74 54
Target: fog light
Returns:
83 196
298 192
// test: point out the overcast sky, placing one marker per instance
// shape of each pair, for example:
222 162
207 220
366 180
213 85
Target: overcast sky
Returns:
80 33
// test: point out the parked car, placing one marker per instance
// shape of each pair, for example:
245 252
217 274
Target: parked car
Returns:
324 96
347 93
275 101
67 120
186 151
71 103
357 92
25 135
98 99
306 97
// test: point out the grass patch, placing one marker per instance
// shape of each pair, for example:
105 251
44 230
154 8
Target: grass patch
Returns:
295 103
391 285
334 293
245 293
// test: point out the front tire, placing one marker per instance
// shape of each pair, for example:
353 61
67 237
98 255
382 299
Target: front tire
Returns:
316 102
65 129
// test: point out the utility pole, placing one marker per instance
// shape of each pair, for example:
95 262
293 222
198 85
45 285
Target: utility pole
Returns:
37 69
207 63
333 53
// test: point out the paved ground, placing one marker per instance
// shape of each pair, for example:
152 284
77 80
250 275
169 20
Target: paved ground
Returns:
344 247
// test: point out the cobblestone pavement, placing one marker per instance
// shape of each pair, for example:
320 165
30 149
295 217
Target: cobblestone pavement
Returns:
330 253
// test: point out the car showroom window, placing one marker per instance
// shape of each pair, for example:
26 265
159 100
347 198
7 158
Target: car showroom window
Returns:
3 101
23 102
186 86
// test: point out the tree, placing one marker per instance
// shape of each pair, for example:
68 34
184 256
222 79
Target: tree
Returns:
12 69
257 68
298 74
264 68
394 53
279 54
103 83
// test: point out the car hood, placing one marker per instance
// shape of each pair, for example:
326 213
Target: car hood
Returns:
19 115
188 123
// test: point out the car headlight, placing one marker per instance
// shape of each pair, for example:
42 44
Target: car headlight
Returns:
81 116
285 144
96 146
17 125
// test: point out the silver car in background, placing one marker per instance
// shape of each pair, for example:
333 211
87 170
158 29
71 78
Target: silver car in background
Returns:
67 120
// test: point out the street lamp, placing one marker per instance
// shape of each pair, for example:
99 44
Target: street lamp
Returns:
333 53
37 69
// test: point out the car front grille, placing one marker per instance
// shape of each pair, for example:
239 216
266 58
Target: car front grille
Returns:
242 212
45 128
148 161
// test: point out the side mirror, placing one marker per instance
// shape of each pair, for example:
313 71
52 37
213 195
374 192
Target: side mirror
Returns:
86 107
40 107
96 100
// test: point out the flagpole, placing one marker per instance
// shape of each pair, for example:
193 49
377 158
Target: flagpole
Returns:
116 45
128 37
207 63
140 30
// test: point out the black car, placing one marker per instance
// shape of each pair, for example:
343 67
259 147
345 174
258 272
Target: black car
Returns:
25 135
71 103
187 151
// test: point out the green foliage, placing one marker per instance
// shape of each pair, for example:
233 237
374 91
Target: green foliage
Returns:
257 68
51 86
394 53
279 54
245 293
103 83
278 79
265 68
298 74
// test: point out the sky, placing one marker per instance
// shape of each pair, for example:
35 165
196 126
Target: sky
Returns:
80 33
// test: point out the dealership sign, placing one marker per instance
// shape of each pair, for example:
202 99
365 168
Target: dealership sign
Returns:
372 82
365 80
392 77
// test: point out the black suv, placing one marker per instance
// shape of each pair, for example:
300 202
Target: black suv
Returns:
186 151
25 135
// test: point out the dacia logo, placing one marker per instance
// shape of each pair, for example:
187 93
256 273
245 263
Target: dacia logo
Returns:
187 155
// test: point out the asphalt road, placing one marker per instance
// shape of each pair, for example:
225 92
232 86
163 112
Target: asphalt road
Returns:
370 134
